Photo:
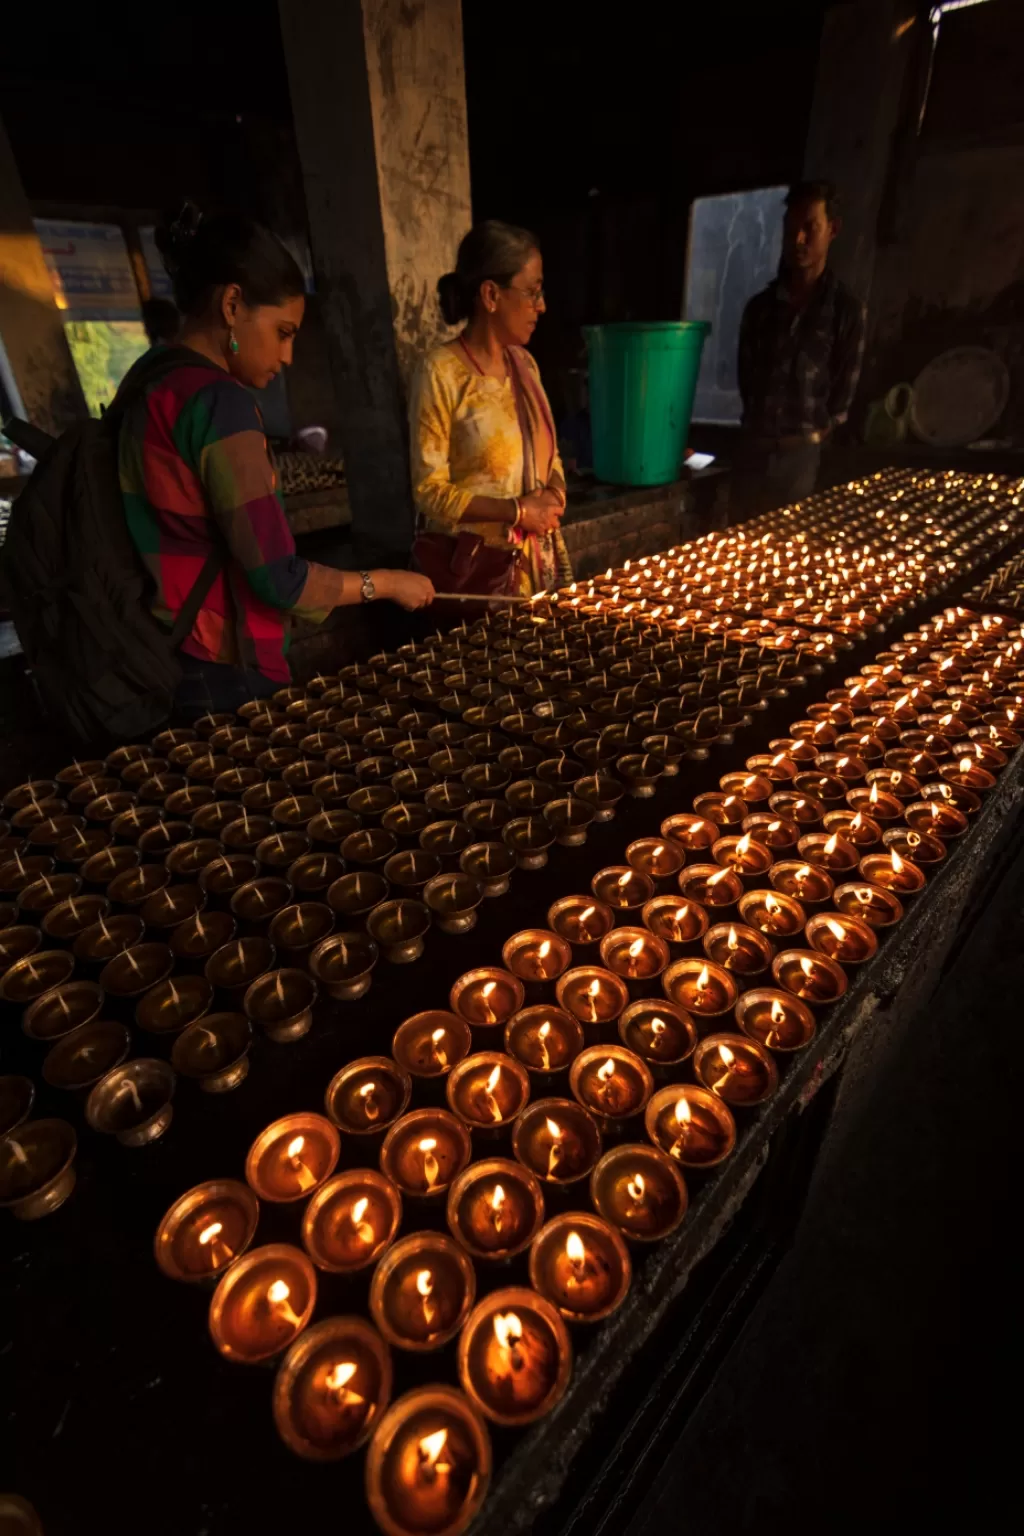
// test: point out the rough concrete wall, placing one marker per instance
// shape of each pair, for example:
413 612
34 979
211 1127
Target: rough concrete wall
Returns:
30 323
418 97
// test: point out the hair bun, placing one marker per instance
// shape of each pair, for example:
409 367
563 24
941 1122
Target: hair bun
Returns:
452 299
176 234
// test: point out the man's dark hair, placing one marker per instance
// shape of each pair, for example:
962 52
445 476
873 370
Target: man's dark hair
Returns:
815 192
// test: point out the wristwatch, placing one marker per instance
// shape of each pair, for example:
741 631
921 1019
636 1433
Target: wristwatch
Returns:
367 591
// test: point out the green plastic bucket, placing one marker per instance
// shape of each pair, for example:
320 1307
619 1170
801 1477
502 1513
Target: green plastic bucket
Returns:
642 378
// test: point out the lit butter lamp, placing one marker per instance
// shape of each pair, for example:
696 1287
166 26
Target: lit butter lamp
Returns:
639 1191
854 827
752 788
774 832
967 773
331 1388
592 994
487 996
725 810
37 1168
691 1124
659 1032
292 1157
133 1102
557 1140
536 955
368 1095
429 1044
488 1091
713 886
745 856
901 876
580 920
772 914
921 847
876 802
775 1019
941 820
659 858
281 1004
675 921
828 851
422 1291
877 907
514 1357
738 948
635 954
581 1265
495 1208
806 883
693 832
842 937
423 1152
428 1468
351 1220
814 977
622 888
613 1083
262 1302
702 987
205 1230
737 1068
544 1038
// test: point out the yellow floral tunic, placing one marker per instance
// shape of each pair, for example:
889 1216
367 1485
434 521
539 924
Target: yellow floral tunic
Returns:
466 442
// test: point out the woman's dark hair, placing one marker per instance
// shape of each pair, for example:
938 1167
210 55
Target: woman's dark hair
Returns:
204 254
491 252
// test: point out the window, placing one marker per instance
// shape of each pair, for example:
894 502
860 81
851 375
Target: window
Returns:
734 249
94 287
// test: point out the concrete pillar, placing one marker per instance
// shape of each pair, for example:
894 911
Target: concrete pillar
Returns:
378 98
868 54
39 372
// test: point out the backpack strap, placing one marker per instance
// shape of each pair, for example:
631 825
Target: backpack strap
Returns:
189 610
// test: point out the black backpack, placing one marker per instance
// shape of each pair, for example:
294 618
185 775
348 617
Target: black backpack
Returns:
76 586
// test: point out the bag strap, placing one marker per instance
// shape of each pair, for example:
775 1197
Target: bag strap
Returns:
189 610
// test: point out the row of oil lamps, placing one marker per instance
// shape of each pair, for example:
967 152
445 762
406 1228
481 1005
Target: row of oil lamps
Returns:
627 964
514 1353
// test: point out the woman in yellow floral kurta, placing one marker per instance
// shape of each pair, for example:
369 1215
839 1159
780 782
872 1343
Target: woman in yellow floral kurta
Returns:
484 453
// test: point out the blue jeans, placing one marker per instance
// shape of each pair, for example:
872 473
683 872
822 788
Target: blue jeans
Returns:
208 687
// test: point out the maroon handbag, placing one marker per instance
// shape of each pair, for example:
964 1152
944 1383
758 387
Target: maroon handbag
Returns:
463 562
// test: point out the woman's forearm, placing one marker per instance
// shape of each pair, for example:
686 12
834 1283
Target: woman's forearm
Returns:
491 509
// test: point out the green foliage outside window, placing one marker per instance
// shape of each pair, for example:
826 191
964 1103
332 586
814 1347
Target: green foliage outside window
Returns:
103 351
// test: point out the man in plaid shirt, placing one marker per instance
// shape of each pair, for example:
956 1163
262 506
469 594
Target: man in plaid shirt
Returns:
800 351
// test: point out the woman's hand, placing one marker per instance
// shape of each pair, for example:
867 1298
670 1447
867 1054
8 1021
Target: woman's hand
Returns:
542 512
409 589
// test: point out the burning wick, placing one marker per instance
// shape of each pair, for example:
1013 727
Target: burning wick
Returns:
431 1167
364 1230
582 930
542 953
278 1293
436 1041
336 1381
220 1253
633 954
542 1039
429 1450
508 1331
778 1017
621 886
497 1208
683 1121
838 932
577 1256
301 1170
703 984
487 1092
592 993
425 1286
636 1188
486 992
772 911
728 1059
732 945
554 1130
371 1109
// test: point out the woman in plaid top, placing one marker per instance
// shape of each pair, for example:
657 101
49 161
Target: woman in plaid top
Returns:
196 475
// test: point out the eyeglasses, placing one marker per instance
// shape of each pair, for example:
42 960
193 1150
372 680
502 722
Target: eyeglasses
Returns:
534 296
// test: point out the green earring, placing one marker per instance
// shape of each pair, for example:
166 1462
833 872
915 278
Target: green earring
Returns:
232 343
